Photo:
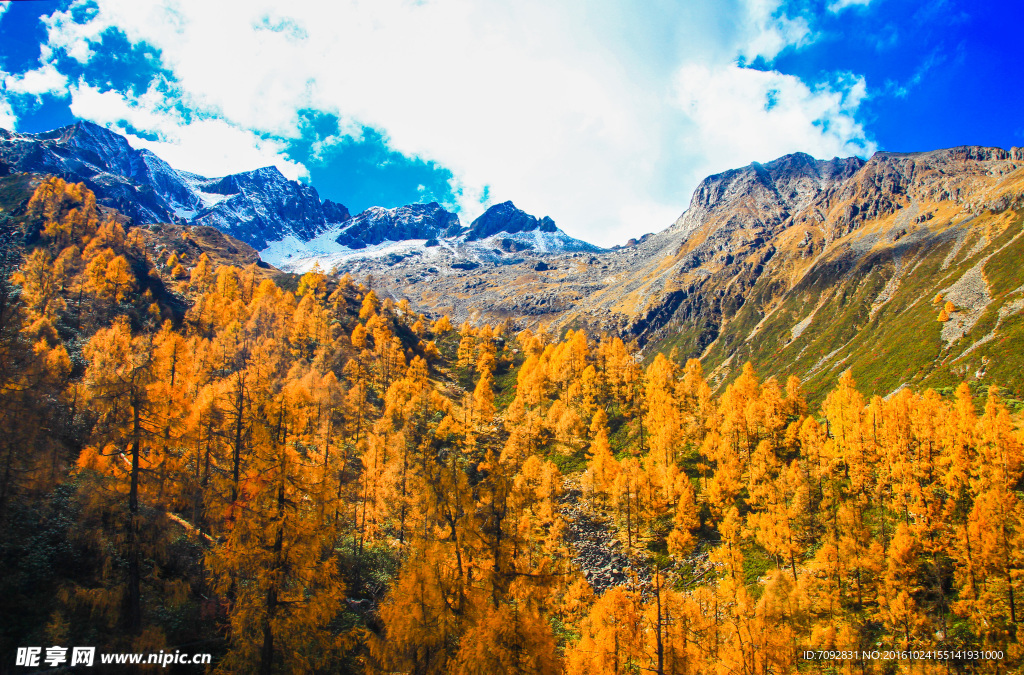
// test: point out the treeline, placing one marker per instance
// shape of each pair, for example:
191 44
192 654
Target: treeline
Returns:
320 480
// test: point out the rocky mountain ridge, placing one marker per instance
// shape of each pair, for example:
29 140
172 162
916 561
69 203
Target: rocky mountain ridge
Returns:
261 208
255 207
741 219
414 221
378 239
505 217
804 266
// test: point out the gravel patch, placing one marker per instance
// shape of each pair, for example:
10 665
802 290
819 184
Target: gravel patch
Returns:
890 286
958 244
598 553
798 330
970 293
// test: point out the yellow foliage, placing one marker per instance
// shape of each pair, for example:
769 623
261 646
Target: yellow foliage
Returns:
369 306
283 433
442 326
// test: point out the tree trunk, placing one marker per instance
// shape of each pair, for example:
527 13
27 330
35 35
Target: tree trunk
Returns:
9 458
658 627
134 575
267 649
236 457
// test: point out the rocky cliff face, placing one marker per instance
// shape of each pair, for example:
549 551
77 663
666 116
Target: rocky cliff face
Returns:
505 217
798 258
256 207
415 221
803 266
261 206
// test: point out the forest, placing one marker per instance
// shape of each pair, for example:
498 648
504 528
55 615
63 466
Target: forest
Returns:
299 476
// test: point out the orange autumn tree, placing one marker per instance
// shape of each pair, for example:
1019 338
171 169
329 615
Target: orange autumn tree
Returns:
34 372
283 442
123 388
277 562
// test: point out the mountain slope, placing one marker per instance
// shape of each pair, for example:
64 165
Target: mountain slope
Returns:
283 219
808 267
801 265
257 207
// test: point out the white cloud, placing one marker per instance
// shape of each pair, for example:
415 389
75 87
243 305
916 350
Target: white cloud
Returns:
7 118
44 80
772 32
210 147
742 115
934 58
840 5
75 39
580 111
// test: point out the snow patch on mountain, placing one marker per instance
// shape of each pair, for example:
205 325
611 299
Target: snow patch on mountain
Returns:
541 241
283 219
256 207
292 255
287 251
199 186
285 259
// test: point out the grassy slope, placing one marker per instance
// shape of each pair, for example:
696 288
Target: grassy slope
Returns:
900 342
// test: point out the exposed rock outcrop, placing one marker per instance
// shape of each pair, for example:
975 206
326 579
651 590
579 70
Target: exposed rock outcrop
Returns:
256 207
415 221
505 217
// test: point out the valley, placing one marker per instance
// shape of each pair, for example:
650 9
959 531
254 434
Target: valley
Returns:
391 442
800 265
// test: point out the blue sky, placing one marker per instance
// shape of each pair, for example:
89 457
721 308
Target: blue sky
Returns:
604 115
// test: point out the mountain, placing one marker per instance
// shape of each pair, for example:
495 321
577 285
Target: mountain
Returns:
257 207
511 230
415 221
424 240
505 217
282 219
135 182
262 206
808 267
800 265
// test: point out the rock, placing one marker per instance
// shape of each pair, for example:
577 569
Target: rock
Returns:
505 217
415 221
255 207
593 544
